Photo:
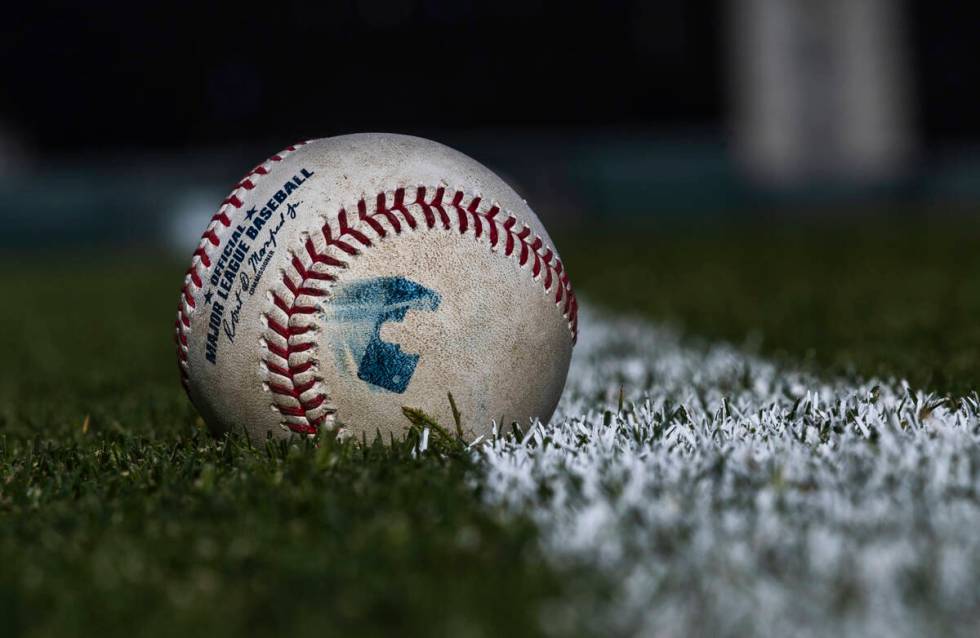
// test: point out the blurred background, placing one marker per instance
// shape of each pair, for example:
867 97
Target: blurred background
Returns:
124 124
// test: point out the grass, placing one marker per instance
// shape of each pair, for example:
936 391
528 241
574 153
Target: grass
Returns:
881 297
188 534
120 514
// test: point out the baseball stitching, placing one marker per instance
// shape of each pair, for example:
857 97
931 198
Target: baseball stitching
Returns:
201 258
290 361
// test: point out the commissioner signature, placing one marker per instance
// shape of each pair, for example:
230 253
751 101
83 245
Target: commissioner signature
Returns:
268 248
258 261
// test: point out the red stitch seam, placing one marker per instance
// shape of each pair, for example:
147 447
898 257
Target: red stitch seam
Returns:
310 267
201 257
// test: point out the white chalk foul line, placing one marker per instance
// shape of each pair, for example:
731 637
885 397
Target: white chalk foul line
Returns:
734 497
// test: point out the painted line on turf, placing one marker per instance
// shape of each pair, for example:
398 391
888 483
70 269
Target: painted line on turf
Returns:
733 496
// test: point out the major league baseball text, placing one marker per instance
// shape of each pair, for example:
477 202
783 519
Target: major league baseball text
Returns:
237 252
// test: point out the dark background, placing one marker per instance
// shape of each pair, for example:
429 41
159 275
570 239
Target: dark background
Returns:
176 74
126 123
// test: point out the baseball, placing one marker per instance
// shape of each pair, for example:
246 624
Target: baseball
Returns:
346 278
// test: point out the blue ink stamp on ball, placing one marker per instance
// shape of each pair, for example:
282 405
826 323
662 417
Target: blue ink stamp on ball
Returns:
354 315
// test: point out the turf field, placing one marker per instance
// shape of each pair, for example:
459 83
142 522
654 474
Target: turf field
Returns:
735 454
